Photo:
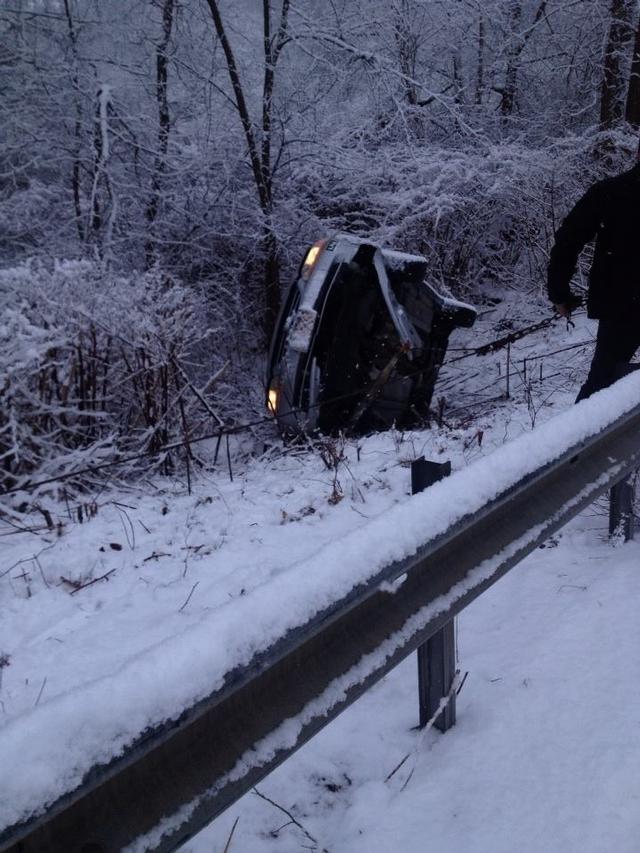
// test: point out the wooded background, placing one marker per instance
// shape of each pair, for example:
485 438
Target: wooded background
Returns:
206 143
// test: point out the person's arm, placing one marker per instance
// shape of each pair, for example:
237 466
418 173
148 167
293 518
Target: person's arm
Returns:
576 231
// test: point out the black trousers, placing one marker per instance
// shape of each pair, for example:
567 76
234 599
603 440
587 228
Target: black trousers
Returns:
616 343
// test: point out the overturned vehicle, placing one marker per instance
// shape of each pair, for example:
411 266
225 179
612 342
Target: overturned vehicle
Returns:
359 341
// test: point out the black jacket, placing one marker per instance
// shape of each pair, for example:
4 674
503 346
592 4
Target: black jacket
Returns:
610 212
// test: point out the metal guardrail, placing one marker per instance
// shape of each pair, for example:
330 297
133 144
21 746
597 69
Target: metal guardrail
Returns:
178 777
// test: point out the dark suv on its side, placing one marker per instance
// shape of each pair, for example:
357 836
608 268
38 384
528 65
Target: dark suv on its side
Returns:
359 341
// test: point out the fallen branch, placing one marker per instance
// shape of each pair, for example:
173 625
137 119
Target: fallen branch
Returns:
77 586
500 343
156 556
199 394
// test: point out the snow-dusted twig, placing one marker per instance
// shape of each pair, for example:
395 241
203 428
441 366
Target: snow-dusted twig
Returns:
41 570
129 532
290 816
199 394
193 589
44 684
455 688
227 846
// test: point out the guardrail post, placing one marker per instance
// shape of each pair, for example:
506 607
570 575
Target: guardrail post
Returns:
621 509
436 657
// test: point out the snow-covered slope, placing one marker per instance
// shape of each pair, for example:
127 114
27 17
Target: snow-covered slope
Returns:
107 627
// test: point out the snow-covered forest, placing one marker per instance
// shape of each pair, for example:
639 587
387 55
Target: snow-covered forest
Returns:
164 167
163 153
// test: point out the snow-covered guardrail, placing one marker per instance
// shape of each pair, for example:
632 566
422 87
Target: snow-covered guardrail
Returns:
334 626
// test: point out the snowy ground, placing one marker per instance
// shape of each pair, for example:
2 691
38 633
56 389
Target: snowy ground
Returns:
92 617
544 756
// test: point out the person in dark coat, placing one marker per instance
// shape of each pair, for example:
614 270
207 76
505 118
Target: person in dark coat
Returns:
609 212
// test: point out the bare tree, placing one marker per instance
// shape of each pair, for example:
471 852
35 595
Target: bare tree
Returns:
260 150
615 60
479 93
632 108
517 42
164 124
77 126
219 165
407 42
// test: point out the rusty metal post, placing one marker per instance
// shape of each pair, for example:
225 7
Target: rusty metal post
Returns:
436 657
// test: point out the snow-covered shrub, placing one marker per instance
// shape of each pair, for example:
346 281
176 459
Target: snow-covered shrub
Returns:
92 364
483 214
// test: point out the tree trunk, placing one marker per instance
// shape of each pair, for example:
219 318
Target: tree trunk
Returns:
407 45
632 111
100 154
77 129
614 62
103 204
508 100
519 41
271 280
260 154
480 69
241 103
458 81
272 50
164 124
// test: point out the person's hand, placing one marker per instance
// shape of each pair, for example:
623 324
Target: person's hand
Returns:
562 309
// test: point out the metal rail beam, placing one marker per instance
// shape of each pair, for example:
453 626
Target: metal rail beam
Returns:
182 775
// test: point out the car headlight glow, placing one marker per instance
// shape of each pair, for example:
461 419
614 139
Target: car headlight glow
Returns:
312 258
272 400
